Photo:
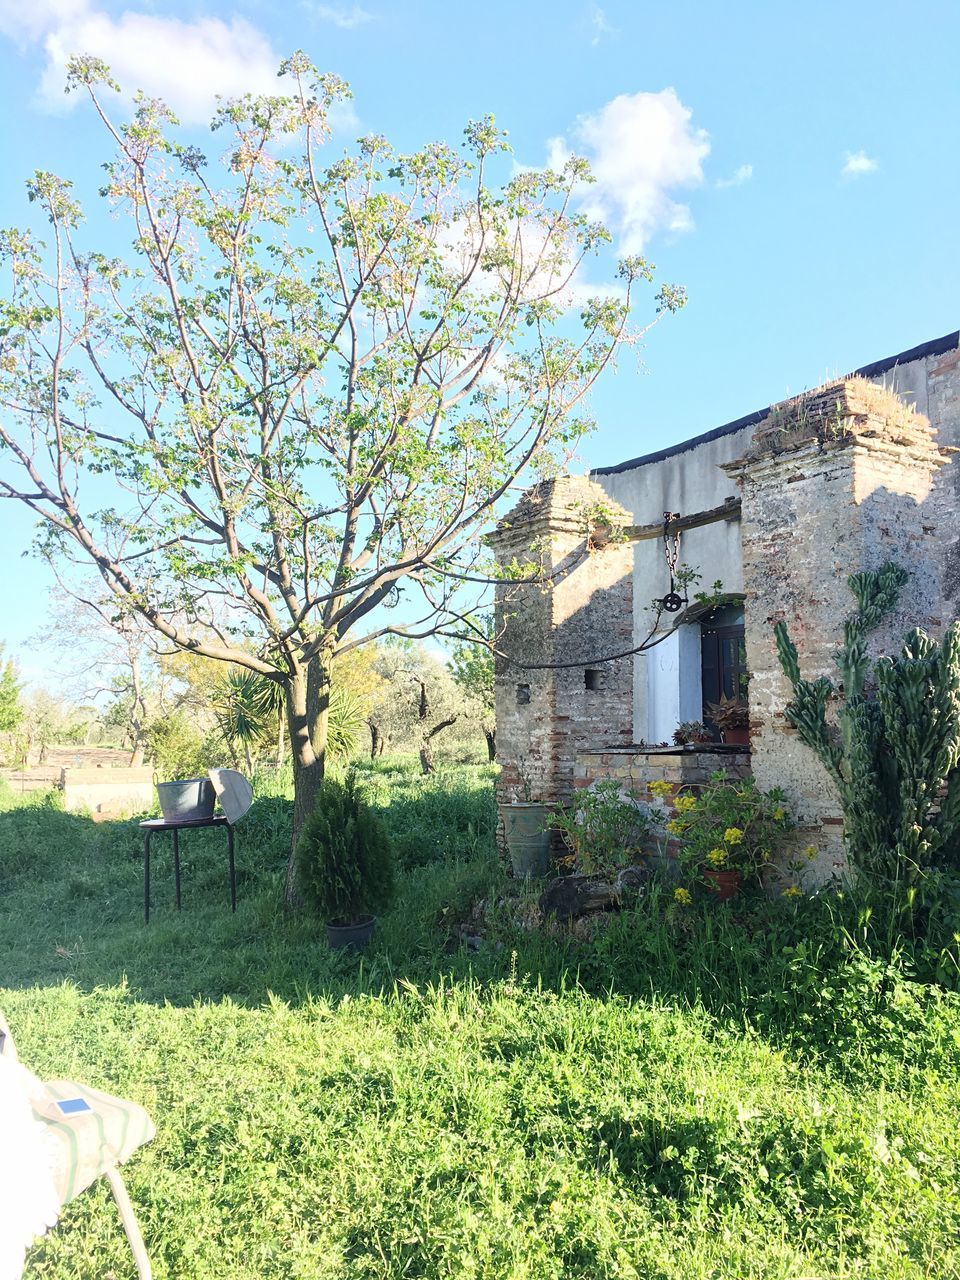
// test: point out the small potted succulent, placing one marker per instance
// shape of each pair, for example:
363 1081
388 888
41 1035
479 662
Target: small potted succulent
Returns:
729 832
344 863
690 731
732 718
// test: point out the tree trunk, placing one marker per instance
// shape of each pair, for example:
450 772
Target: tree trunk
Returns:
426 744
376 740
308 706
138 715
491 737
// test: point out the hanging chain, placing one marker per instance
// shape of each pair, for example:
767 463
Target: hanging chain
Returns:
672 602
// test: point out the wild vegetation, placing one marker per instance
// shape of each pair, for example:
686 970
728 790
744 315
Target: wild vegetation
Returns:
692 1091
893 753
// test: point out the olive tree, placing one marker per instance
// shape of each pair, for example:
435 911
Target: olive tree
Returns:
293 398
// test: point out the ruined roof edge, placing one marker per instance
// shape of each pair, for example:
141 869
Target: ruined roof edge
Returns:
935 347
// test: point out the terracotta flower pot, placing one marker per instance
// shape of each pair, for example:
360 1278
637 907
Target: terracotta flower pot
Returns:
738 736
725 884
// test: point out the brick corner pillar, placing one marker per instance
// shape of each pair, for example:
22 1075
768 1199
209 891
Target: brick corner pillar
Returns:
837 481
546 714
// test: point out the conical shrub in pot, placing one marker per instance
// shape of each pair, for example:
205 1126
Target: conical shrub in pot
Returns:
344 862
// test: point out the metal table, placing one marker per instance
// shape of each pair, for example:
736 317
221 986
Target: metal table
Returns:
153 825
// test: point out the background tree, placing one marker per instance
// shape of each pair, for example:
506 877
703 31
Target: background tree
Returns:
108 652
306 388
11 708
417 701
473 672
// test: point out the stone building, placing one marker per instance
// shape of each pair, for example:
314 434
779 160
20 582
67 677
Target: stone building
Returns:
779 508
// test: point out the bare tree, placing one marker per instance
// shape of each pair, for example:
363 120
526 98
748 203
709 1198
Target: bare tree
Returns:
307 386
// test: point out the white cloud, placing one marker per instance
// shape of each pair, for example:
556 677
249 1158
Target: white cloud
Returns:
737 178
544 271
641 147
600 26
187 63
341 17
857 164
26 23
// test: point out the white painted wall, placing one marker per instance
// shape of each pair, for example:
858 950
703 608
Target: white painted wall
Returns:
674 693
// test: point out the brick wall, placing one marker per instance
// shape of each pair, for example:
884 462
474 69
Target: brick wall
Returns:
833 485
546 716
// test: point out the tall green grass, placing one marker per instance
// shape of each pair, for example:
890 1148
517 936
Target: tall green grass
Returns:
689 1094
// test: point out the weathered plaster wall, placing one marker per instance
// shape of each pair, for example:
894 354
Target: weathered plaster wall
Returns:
834 484
689 479
686 482
108 791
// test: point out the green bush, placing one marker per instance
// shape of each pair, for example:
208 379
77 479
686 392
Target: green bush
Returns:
179 749
344 858
730 826
604 828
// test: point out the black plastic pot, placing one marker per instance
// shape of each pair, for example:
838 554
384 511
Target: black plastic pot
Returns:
351 935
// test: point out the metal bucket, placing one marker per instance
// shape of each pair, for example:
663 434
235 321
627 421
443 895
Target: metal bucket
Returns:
189 800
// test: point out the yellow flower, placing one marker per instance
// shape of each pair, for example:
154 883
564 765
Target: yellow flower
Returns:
676 828
811 851
661 789
683 804
717 858
793 891
778 814
733 835
683 896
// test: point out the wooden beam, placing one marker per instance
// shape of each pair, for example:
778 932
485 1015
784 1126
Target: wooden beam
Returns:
729 510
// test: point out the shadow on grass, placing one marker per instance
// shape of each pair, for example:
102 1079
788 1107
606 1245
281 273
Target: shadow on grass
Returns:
71 910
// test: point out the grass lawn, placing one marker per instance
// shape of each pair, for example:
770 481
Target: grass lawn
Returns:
696 1097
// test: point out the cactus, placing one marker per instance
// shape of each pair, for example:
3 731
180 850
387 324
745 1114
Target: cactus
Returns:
892 750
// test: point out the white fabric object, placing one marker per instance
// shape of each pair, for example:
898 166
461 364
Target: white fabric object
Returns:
233 791
28 1198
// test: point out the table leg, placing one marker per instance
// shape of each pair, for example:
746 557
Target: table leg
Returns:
146 878
233 869
176 865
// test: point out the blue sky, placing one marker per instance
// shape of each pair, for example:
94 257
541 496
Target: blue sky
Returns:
793 165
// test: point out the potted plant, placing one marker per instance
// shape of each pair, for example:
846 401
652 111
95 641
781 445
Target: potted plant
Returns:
732 718
526 830
690 731
605 828
729 832
344 863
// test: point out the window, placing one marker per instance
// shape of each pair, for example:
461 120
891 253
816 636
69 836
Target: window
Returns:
723 657
592 680
523 694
